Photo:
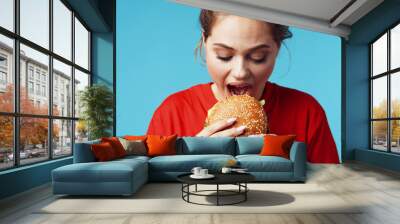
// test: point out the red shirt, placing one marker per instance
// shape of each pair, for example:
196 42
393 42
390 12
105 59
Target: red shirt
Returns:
289 111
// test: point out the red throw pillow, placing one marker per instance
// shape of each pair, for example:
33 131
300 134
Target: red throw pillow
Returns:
161 145
103 151
135 137
116 145
277 145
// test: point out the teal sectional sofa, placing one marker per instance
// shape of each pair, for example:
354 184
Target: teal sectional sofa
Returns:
125 176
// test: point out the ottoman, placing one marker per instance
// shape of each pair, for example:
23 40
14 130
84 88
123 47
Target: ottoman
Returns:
118 177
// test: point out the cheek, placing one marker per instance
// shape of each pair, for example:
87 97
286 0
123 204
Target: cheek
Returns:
217 70
261 73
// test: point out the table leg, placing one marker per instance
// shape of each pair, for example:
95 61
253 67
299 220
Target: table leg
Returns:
217 194
245 193
196 188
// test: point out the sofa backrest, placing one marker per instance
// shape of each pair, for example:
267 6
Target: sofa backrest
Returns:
205 145
83 153
249 145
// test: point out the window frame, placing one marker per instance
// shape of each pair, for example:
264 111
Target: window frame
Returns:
388 74
16 115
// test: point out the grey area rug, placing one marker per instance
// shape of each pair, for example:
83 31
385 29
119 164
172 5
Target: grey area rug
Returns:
166 198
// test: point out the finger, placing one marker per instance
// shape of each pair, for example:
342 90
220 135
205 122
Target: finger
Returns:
216 127
257 135
231 132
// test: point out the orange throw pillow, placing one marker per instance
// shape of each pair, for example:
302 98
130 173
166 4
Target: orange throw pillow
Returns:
135 138
161 145
116 145
103 151
277 145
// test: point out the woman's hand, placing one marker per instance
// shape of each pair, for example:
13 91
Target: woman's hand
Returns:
222 129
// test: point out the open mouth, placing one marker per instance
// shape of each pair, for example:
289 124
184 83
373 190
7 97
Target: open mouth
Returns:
239 89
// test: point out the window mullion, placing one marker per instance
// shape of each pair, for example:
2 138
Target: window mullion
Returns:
50 87
73 82
16 83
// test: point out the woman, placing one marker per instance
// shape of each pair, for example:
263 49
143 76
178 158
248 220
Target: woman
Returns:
240 55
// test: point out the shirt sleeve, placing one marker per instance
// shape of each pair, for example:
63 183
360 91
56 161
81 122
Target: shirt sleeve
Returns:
321 147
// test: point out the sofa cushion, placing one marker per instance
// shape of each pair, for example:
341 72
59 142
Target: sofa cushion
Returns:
185 163
159 145
116 145
103 152
257 163
277 145
249 145
206 145
134 147
111 171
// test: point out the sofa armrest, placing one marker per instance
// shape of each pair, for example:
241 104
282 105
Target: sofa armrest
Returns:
83 152
298 155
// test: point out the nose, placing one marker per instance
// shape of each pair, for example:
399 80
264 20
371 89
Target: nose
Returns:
240 70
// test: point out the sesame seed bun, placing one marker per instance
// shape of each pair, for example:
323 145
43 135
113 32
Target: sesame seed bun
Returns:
247 110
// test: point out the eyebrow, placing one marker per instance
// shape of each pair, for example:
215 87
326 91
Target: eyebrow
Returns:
251 49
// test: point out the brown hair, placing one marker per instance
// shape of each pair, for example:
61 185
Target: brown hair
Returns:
207 19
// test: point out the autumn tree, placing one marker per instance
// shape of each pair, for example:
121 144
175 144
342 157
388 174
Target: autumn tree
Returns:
33 131
380 127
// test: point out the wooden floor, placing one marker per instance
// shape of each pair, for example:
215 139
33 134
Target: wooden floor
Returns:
378 188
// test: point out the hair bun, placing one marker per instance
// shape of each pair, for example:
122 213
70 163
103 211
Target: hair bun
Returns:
247 110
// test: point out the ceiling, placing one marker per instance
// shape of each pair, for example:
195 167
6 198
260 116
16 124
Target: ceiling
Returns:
327 16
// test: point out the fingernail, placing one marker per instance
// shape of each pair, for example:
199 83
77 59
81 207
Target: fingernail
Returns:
230 120
241 128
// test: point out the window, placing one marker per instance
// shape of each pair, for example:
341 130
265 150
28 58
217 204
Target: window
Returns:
3 78
30 87
30 72
38 74
54 125
44 91
385 91
3 61
38 89
3 72
43 77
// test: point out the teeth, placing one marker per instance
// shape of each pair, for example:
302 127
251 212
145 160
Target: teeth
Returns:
238 90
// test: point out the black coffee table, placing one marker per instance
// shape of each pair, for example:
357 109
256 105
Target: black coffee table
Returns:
238 179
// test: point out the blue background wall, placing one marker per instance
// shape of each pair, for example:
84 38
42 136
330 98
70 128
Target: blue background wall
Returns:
357 85
155 43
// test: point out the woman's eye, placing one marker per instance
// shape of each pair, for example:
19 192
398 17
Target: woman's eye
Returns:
225 58
258 59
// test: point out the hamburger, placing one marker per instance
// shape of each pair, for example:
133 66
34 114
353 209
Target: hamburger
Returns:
247 110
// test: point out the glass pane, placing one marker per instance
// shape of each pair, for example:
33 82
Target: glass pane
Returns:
395 136
33 140
35 21
62 138
62 29
6 142
7 14
81 45
6 74
379 135
379 55
62 89
81 131
395 47
34 81
379 97
395 94
81 81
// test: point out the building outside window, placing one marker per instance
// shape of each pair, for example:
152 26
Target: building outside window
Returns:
34 75
385 91
30 87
